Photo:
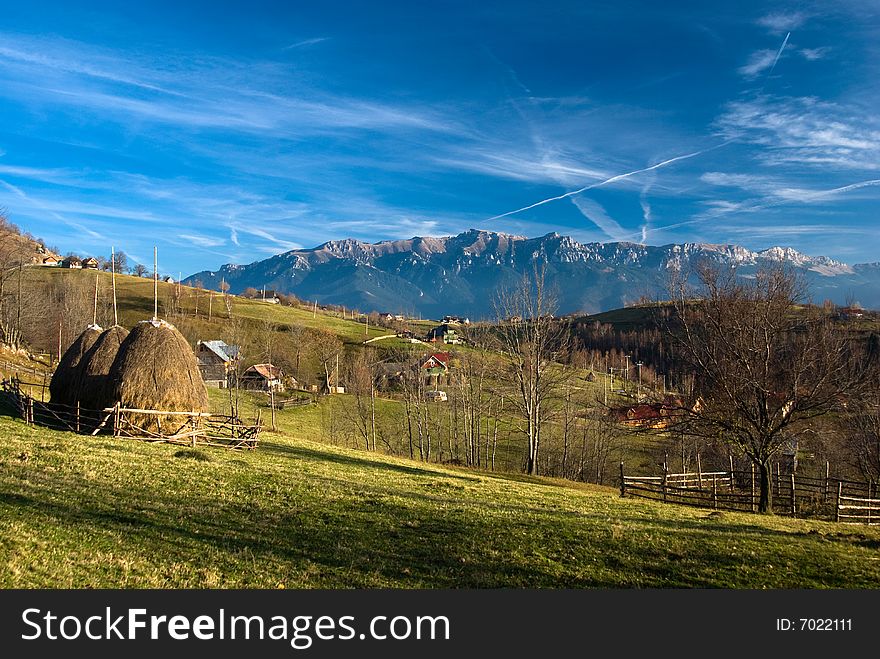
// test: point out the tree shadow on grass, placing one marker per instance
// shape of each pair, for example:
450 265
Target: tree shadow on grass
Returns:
350 460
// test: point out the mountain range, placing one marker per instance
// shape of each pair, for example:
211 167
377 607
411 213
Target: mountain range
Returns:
460 275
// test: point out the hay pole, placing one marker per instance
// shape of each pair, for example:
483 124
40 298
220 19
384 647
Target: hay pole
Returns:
95 311
113 282
155 283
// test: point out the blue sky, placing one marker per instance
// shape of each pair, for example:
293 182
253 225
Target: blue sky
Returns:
227 132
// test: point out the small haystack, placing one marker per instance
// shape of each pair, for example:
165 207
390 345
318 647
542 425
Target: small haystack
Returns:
63 387
156 369
92 386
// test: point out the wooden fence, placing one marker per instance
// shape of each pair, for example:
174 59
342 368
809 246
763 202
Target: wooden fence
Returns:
739 491
856 510
185 428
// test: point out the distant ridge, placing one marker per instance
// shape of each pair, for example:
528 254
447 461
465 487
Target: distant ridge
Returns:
434 276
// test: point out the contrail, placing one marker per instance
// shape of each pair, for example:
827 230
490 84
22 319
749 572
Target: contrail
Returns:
758 206
779 54
619 177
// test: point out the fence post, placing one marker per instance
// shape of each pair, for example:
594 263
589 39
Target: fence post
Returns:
193 425
699 473
714 492
622 481
730 463
837 507
663 482
754 505
77 416
827 474
793 504
116 421
870 499
30 413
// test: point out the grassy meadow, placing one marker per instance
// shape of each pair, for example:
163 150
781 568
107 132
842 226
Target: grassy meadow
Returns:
310 509
101 512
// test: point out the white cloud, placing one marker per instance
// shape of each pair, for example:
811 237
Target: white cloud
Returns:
805 130
812 54
193 93
594 212
779 22
759 61
203 241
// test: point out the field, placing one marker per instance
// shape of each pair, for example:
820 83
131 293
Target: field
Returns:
135 295
102 512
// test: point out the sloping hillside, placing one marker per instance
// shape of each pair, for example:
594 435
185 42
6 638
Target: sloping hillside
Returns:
102 512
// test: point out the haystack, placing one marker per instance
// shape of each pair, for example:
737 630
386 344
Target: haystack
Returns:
156 369
63 386
92 387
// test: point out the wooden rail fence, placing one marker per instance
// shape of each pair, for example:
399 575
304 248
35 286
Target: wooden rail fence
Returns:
856 510
185 428
738 491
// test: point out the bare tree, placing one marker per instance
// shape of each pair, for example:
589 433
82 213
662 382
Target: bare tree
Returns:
762 366
361 375
328 347
532 341
15 251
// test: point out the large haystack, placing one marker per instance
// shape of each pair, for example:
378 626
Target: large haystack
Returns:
156 369
63 387
93 386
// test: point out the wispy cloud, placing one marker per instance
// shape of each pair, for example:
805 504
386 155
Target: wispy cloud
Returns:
759 61
203 241
594 212
804 130
778 197
779 22
305 43
763 60
813 54
195 93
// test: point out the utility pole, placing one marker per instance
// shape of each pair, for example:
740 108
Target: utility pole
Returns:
639 389
626 373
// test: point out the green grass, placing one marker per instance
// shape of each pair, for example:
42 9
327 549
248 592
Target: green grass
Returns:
101 512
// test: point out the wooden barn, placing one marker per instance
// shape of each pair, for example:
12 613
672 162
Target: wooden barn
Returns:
217 361
262 377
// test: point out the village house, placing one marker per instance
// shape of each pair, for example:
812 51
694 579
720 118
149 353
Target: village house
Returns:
50 261
217 362
457 320
435 366
444 334
653 416
262 377
850 313
72 262
91 263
